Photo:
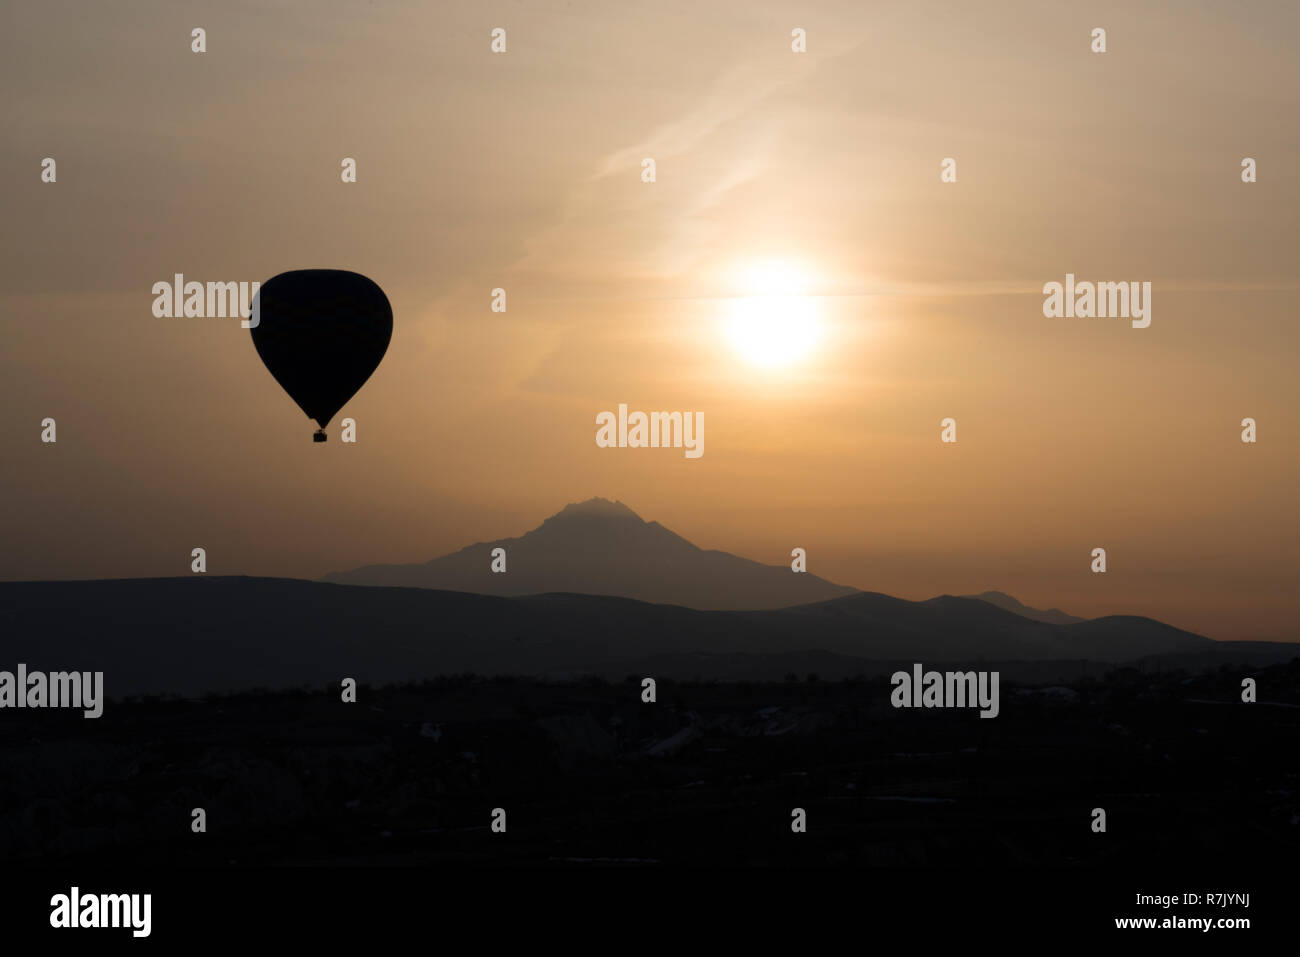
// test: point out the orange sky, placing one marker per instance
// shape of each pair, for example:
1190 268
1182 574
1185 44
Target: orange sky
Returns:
522 171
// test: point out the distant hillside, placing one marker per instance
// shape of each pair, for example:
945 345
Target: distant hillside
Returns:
1053 616
599 547
196 634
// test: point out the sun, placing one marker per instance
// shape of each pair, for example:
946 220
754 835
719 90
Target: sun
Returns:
774 321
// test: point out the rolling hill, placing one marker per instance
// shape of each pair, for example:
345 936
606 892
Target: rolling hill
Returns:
198 634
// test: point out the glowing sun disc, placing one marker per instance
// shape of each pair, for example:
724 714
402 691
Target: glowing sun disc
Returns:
777 325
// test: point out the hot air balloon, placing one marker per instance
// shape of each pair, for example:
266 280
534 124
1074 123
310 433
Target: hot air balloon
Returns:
321 333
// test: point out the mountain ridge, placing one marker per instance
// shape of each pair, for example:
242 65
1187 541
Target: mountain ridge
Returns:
197 634
1051 615
602 547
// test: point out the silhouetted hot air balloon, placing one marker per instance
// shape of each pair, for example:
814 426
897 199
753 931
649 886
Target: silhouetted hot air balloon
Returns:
321 333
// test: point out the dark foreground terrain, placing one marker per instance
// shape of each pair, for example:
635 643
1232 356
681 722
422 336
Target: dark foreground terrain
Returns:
707 775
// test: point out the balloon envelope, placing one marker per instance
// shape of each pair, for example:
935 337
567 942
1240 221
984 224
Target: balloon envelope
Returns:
321 333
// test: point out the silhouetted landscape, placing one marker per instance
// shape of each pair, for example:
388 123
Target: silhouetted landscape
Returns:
204 634
224 693
600 547
590 774
197 635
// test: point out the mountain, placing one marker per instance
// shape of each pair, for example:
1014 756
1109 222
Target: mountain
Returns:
1053 616
599 547
198 634
949 627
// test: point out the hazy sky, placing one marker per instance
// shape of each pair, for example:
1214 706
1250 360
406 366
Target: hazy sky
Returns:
523 171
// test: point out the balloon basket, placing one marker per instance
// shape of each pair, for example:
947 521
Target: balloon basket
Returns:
319 436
